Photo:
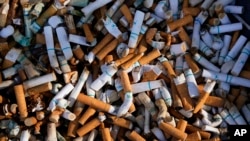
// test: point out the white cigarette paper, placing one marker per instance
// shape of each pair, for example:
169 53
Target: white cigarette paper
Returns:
205 63
51 132
234 112
146 86
224 50
196 34
236 48
39 80
226 28
178 49
241 61
91 7
235 9
78 87
64 42
111 27
48 34
191 83
136 27
128 100
77 39
233 80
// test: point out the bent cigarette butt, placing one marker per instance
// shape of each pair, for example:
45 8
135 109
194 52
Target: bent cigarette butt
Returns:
21 101
169 129
86 128
125 11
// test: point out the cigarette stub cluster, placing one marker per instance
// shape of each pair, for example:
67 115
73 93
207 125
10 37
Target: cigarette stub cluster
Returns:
135 70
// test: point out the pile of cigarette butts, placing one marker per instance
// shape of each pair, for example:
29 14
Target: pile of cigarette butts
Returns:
113 70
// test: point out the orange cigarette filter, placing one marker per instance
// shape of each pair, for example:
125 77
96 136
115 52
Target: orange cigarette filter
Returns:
191 63
126 12
125 82
40 88
201 101
22 74
109 58
241 100
86 115
169 68
120 122
38 127
193 11
176 97
41 20
169 129
150 35
185 3
130 62
141 49
213 21
180 22
122 60
149 57
204 135
21 101
213 139
69 20
107 38
30 121
107 49
78 52
86 128
149 76
4 48
215 101
245 74
94 103
88 33
175 113
184 36
235 37
184 96
219 9
106 136
134 136
55 115
194 136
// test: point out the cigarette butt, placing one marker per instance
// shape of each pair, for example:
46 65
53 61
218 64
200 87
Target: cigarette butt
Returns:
193 11
180 22
235 37
89 35
215 101
213 139
181 125
41 20
169 129
194 136
127 14
125 82
40 115
86 128
235 92
69 20
149 57
107 38
40 88
40 39
4 138
219 9
22 75
120 122
123 59
21 102
94 103
107 49
55 115
130 62
134 136
245 74
176 98
204 135
184 96
132 107
4 48
191 63
86 115
201 101
30 121
38 127
121 133
184 36
106 136
78 52
108 59
165 78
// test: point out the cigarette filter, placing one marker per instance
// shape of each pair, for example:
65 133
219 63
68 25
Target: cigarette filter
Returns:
51 132
180 22
30 121
122 122
64 42
169 129
21 101
86 128
225 28
134 136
